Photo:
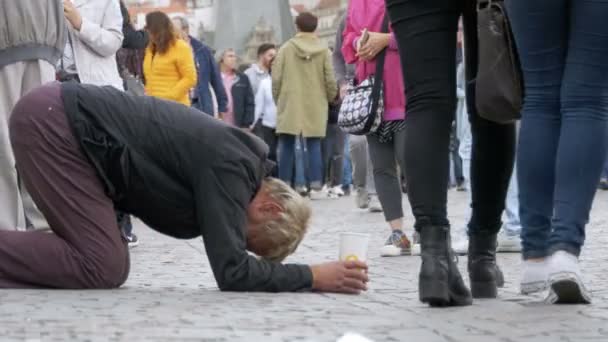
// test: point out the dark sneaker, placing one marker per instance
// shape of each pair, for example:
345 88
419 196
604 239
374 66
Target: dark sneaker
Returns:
397 244
132 240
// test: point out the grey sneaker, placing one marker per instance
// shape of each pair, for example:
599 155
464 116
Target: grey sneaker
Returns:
565 284
508 243
397 244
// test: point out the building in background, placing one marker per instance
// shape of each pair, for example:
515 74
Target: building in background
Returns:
245 24
329 13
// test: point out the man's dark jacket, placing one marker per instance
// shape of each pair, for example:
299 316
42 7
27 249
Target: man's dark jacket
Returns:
243 101
183 174
208 75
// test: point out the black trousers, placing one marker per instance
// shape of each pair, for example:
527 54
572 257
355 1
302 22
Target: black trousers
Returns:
426 33
332 149
269 135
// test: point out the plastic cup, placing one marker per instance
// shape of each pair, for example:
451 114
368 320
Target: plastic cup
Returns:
353 246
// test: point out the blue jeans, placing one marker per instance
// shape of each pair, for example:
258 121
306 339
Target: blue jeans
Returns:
305 154
563 47
301 162
347 179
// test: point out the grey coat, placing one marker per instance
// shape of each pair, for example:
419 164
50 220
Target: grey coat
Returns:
31 30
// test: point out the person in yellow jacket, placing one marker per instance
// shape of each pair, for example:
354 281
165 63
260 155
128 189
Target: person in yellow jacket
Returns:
169 68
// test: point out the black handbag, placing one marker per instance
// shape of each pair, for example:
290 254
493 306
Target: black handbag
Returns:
499 86
363 106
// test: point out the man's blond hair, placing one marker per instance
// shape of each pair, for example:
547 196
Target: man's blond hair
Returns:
287 231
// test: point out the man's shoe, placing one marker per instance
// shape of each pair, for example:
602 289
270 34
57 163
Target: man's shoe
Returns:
317 194
508 243
374 205
335 192
534 277
397 245
302 190
362 198
440 283
133 241
565 284
604 184
484 274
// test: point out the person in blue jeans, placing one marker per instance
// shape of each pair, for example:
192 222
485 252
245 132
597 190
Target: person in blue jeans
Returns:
300 160
563 47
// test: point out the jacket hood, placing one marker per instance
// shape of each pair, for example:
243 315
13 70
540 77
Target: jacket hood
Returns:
308 45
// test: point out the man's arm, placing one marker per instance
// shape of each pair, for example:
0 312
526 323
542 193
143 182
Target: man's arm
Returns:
105 38
133 39
260 100
330 80
223 196
277 74
248 117
337 56
215 78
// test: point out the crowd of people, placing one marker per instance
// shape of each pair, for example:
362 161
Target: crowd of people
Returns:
78 157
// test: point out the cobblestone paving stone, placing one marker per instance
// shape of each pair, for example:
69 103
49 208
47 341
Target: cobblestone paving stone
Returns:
171 296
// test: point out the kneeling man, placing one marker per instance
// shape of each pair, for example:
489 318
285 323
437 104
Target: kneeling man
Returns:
85 151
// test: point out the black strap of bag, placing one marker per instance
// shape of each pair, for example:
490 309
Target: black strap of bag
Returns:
378 77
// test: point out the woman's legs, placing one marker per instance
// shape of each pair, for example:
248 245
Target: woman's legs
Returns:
541 37
86 249
492 158
386 178
426 33
584 129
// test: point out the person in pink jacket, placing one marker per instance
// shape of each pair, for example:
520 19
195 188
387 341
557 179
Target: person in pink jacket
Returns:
387 144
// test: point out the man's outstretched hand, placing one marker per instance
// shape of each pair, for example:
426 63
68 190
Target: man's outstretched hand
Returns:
340 277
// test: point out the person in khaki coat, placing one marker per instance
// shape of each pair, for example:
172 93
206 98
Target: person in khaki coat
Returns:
303 84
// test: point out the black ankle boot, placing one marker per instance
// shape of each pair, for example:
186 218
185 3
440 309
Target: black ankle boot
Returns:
484 273
440 282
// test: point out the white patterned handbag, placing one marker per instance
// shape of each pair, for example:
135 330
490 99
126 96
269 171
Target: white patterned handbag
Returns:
357 114
363 106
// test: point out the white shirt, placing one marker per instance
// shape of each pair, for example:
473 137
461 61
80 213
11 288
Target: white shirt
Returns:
265 107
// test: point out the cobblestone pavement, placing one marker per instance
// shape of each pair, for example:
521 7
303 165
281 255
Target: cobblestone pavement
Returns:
171 295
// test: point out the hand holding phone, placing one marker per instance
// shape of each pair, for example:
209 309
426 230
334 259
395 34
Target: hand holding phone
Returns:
363 39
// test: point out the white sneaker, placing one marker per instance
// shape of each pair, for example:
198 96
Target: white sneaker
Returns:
335 192
374 205
317 195
302 190
508 243
565 284
460 246
534 276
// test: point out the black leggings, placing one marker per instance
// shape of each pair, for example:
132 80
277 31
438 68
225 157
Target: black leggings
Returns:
426 33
